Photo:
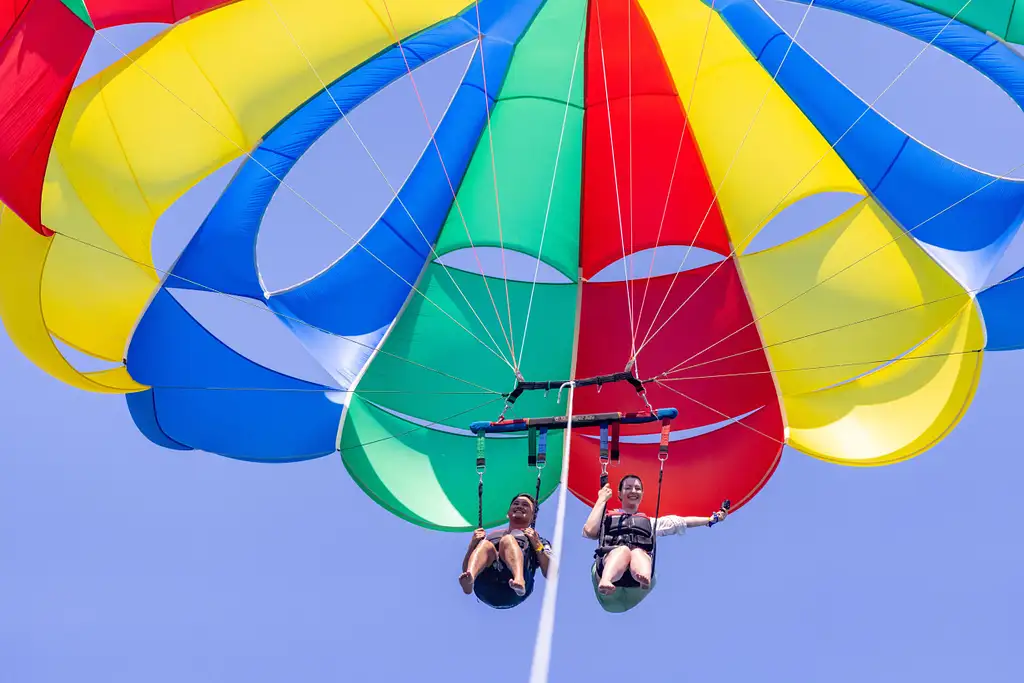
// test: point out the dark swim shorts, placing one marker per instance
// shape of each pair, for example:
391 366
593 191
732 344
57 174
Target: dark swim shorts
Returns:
491 586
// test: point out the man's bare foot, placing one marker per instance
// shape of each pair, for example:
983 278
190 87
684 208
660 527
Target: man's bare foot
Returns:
466 581
605 588
519 588
644 581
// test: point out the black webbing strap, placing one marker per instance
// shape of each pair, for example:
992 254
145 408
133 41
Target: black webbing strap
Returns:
599 380
604 453
531 457
615 443
481 465
538 457
666 427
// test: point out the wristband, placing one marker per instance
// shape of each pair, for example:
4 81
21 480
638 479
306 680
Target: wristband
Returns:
538 549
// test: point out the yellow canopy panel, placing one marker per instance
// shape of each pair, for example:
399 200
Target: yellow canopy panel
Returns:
898 411
23 253
139 134
782 146
855 289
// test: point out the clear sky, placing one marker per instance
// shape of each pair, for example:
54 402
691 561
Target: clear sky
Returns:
122 562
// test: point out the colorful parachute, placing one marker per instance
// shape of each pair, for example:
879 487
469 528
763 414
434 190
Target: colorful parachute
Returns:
583 132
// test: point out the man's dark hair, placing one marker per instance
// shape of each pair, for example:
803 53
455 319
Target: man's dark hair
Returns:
631 476
528 497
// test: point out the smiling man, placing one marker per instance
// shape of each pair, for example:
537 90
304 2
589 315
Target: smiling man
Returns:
499 566
626 541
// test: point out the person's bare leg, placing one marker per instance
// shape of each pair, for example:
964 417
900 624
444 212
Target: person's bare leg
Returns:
615 565
640 567
483 555
512 555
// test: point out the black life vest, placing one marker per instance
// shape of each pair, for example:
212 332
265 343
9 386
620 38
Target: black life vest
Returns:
631 530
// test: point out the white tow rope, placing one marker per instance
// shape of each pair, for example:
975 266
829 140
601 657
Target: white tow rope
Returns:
546 627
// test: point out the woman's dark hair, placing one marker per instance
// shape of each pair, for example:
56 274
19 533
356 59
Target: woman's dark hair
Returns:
630 476
528 497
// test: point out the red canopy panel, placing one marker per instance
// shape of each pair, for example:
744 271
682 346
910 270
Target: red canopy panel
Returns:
737 381
106 13
624 66
40 55
733 463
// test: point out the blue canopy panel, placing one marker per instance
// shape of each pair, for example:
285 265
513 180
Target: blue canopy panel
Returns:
207 396
917 185
170 348
342 314
257 426
142 406
1002 307
222 253
362 292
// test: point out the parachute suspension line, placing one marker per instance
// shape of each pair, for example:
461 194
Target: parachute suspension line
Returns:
418 427
714 197
850 364
781 442
249 302
494 175
451 186
903 233
615 180
867 108
395 193
283 183
629 131
681 367
551 188
675 164
546 627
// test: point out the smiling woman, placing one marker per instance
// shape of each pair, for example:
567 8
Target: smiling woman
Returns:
429 202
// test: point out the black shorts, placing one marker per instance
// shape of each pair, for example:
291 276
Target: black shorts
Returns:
492 587
625 581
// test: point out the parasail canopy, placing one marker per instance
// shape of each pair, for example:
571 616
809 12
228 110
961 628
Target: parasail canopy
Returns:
582 138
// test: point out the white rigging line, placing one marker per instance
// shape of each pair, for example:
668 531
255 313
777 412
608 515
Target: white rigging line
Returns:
903 233
394 191
675 163
497 201
615 180
310 204
869 107
648 336
551 189
451 186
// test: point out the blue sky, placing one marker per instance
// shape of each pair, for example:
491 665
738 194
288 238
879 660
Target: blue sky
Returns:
120 561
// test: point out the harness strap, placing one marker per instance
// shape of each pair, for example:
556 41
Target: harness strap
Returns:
662 457
539 449
604 452
531 457
481 466
615 443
